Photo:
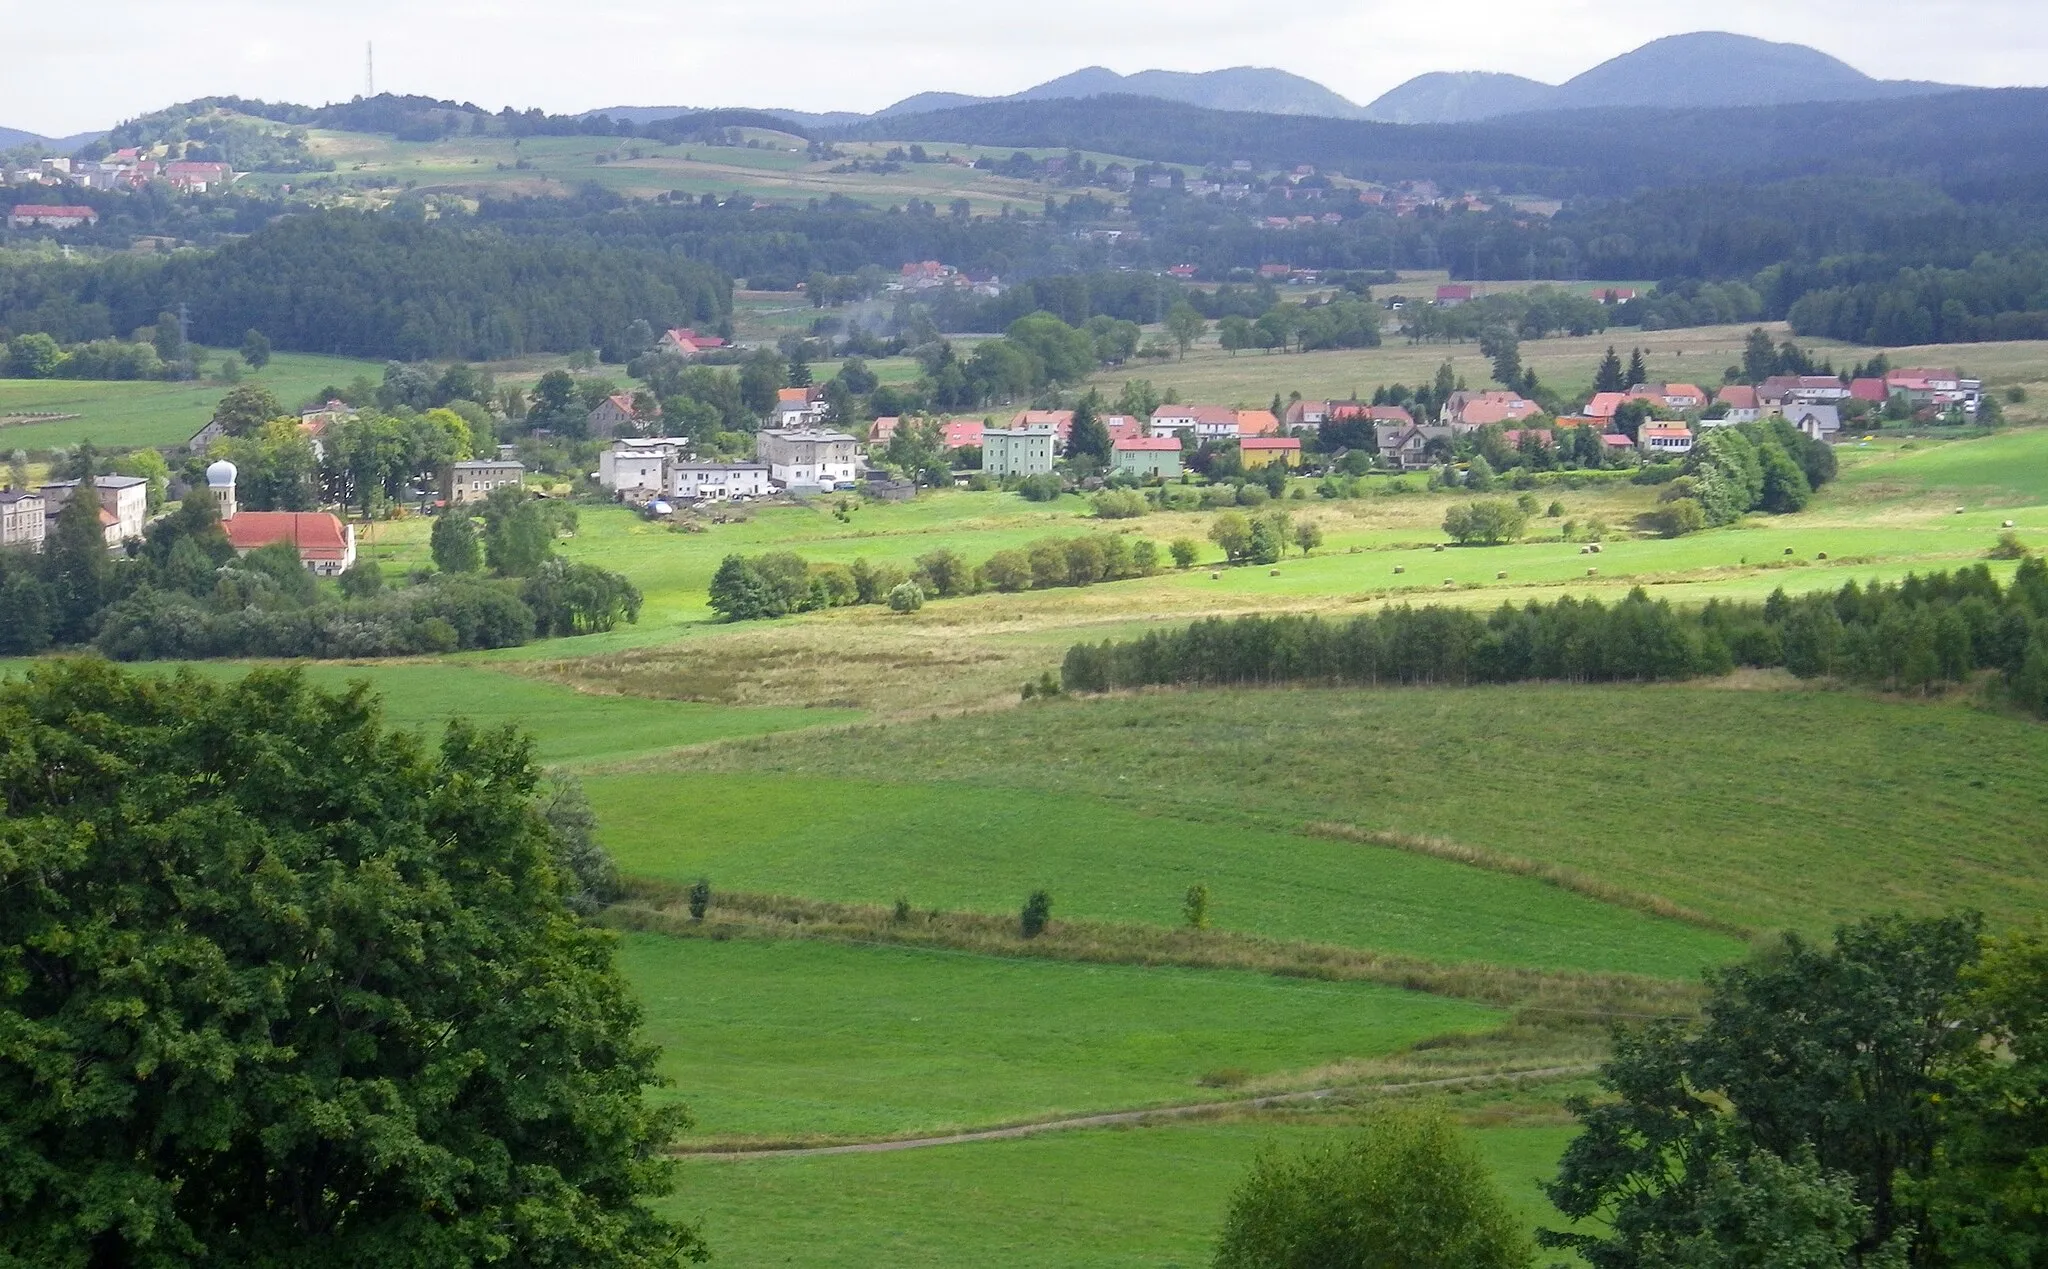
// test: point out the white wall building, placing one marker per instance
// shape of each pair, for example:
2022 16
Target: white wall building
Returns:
799 458
1019 451
693 480
639 464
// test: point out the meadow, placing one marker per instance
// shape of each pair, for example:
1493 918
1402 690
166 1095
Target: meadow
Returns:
132 414
789 1040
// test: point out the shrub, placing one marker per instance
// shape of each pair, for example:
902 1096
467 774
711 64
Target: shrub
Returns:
944 573
362 581
2009 547
1044 487
1679 517
1037 914
700 898
1487 522
906 598
1194 907
1008 571
1120 504
1185 552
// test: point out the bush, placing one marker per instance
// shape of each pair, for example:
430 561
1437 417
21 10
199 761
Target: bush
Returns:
1194 907
362 581
1679 517
1120 504
906 598
1185 552
1007 571
1488 522
1045 487
2009 547
1408 1190
700 898
1037 914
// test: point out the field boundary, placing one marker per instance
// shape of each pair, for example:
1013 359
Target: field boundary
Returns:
1111 1119
1557 875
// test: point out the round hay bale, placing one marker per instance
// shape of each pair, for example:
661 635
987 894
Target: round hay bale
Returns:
1788 550
1501 576
1214 575
1823 555
1450 581
1592 572
1959 511
2006 525
1595 548
1439 546
1272 572
1400 569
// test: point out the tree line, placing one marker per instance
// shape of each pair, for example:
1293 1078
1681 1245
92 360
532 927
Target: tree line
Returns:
1916 635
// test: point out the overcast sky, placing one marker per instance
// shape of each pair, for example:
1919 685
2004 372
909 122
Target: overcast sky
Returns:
74 69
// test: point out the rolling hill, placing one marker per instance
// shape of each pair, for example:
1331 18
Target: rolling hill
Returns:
1703 69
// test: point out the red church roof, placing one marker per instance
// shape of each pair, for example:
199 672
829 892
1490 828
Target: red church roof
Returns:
316 534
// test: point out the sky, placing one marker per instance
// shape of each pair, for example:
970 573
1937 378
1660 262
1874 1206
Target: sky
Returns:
64 74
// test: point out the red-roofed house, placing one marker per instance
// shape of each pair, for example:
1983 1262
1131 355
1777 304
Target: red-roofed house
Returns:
1672 396
198 177
1471 410
1122 426
1060 421
1781 390
963 432
1146 456
1257 423
1452 296
1871 390
325 545
1616 440
883 430
614 415
30 215
1741 400
1604 404
685 342
1513 436
1613 294
1207 422
1264 451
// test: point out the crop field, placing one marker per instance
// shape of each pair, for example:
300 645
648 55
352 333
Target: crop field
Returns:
1104 1198
784 1040
131 414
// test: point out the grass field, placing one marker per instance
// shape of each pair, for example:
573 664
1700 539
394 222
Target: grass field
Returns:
1768 808
128 415
787 1040
978 846
1151 1197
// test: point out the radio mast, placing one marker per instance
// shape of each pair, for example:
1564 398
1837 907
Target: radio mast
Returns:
369 70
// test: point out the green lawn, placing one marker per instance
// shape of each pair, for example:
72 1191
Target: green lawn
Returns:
1769 808
1152 1196
133 414
785 1040
963 846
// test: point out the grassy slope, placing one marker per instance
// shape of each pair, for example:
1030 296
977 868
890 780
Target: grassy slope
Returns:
983 847
1148 1196
786 1040
1770 808
129 415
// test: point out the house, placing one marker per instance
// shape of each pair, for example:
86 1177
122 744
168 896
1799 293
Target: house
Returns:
30 216
326 546
1672 396
1122 426
693 480
1407 445
616 414
1017 451
798 407
1452 296
1264 451
124 505
1614 294
1782 390
473 481
962 433
1742 402
197 177
1340 411
1207 422
1257 423
639 464
1469 411
883 430
1664 438
1604 405
22 520
328 414
1146 456
808 459
1821 422
682 341
1871 390
1307 413
1941 389
203 439
1616 441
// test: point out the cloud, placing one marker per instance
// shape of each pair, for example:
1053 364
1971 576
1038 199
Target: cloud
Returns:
64 76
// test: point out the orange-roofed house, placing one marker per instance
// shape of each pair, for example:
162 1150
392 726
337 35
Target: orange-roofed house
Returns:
1468 411
1664 439
1257 423
1672 396
963 432
799 407
1605 404
1060 421
883 430
1146 456
1742 402
1264 451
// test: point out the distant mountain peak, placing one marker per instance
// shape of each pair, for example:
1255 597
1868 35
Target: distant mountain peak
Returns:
1258 89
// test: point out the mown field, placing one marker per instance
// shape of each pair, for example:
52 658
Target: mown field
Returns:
127 415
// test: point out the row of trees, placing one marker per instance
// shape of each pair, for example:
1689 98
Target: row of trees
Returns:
1914 635
748 588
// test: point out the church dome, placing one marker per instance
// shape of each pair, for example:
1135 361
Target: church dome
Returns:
221 475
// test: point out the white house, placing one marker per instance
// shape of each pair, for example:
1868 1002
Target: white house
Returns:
1664 438
631 464
801 458
693 480
1207 422
799 407
473 481
124 504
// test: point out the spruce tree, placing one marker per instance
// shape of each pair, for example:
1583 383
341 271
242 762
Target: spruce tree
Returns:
76 568
1608 379
1638 372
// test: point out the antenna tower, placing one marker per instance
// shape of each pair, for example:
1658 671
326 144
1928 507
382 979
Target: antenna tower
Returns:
369 70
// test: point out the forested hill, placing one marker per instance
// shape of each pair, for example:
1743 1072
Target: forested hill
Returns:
376 286
1980 143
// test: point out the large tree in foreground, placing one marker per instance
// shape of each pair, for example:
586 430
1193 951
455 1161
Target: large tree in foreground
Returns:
279 986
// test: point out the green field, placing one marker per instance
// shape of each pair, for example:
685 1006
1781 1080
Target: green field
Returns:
1767 808
128 415
982 846
1151 1196
786 1040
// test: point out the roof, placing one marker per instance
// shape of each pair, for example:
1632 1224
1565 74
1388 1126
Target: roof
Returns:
1669 390
1216 415
1867 390
40 211
1490 409
480 464
316 534
783 396
1270 442
1257 423
1616 440
1670 431
17 495
1737 396
1454 292
1159 444
958 432
1604 404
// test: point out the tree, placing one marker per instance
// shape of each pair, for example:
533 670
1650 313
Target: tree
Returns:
1759 356
1089 438
256 349
1308 534
1268 540
454 543
34 356
1194 907
1234 332
740 593
946 571
362 581
230 369
1609 377
573 598
592 877
1186 326
1828 1056
516 537
1499 345
246 408
1638 371
1036 914
1184 552
76 568
169 337
906 597
1408 1192
761 378
17 469
448 1073
1488 522
1231 531
554 404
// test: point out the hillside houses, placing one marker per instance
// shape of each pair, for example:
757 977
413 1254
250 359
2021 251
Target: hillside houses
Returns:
799 407
1471 410
683 341
617 414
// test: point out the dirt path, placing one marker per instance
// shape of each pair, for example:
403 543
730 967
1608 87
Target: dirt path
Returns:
1114 1118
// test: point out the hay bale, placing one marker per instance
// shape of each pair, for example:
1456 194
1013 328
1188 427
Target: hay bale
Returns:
1823 555
1214 575
1595 548
1501 576
1592 572
1272 572
1400 569
1788 550
2006 525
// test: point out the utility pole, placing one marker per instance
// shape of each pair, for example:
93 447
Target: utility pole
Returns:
369 70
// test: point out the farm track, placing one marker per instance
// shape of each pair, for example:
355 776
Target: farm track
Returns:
1113 1119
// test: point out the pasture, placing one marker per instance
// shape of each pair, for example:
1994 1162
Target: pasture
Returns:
132 414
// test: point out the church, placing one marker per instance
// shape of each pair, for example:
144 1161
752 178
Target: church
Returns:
326 546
